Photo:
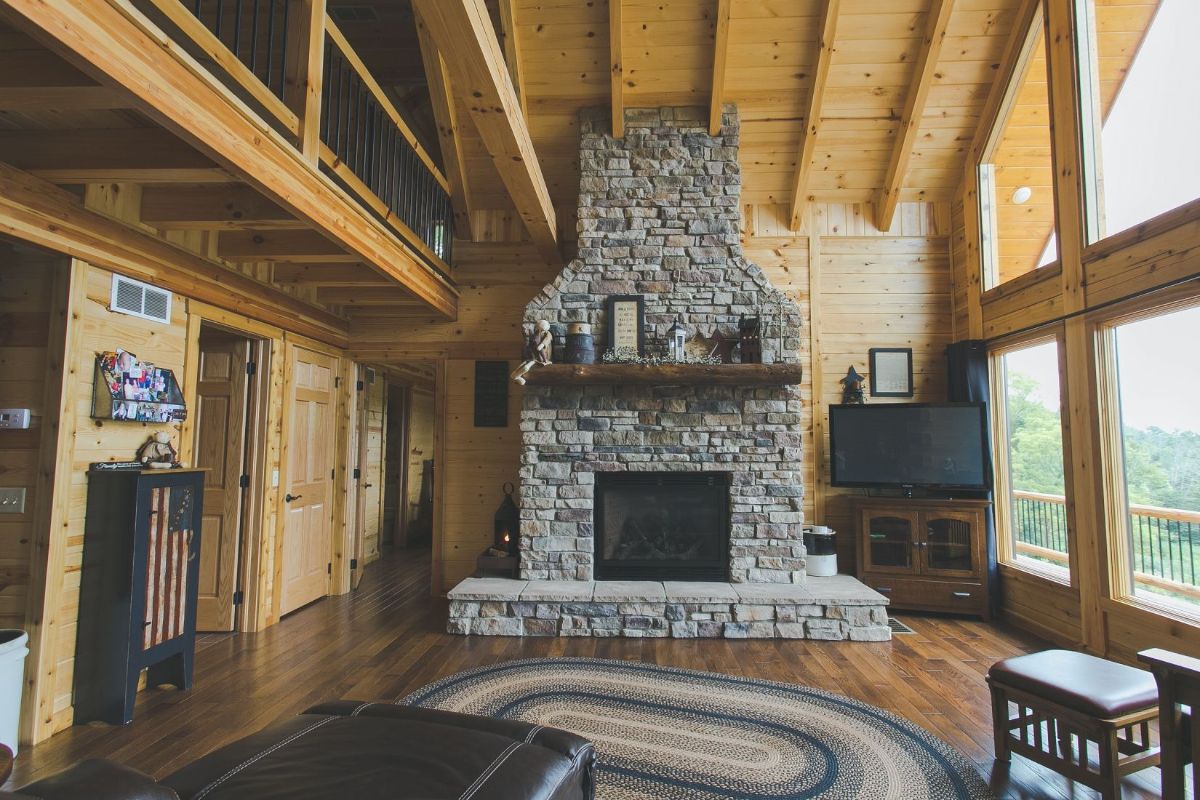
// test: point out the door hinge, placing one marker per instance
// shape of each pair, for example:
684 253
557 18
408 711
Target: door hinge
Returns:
357 473
329 568
337 381
238 597
332 474
358 386
251 368
354 563
244 481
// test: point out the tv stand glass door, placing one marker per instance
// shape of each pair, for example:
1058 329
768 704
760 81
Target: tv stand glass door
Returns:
892 539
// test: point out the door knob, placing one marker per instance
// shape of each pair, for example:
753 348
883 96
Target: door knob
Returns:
368 485
287 498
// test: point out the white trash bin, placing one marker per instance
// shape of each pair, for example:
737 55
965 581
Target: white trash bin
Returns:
13 649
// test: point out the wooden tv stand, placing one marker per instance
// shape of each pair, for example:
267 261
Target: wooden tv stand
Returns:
924 555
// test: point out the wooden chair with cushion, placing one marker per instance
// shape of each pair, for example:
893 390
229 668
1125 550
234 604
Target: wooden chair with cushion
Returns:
1066 700
1178 679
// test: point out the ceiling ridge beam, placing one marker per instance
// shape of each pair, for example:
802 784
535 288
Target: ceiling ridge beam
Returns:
445 116
616 66
463 33
716 106
812 117
914 109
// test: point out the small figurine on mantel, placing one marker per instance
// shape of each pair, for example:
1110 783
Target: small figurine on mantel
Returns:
751 340
157 452
852 388
538 350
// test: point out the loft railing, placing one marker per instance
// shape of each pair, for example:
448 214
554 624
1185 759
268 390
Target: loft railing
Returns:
1166 541
368 144
260 45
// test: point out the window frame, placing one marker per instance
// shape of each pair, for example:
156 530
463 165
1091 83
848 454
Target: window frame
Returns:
1118 576
1001 468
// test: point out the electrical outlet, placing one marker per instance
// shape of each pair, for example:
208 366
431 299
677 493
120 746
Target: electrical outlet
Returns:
12 501
14 418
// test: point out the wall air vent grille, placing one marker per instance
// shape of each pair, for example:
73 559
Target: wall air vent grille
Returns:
140 300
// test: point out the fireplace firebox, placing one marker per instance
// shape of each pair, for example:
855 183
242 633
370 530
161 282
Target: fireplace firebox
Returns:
662 526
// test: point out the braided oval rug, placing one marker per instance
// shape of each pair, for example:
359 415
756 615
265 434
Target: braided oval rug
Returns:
674 733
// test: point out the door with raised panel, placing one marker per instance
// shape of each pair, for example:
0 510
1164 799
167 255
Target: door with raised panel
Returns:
220 450
308 491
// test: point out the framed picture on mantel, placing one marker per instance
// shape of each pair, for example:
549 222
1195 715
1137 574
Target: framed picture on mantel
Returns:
627 322
891 371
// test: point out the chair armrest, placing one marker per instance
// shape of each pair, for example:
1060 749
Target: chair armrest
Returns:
95 780
1176 663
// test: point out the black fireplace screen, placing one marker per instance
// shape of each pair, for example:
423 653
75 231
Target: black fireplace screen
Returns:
662 526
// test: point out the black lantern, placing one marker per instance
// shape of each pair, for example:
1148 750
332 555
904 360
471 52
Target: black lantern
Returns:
507 522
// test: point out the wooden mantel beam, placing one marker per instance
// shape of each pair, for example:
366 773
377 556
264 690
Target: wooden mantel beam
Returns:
463 33
914 108
616 63
445 116
812 117
120 46
36 211
720 56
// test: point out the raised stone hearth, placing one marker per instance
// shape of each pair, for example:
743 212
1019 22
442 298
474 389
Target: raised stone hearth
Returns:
834 608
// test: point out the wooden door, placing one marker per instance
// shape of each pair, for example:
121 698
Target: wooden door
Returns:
220 448
308 489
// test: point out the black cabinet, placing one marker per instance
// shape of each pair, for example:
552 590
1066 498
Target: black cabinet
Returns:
137 596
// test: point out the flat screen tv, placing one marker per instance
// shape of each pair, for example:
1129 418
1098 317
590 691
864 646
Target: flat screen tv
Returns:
909 445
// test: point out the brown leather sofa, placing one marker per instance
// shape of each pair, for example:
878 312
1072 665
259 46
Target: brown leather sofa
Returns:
362 751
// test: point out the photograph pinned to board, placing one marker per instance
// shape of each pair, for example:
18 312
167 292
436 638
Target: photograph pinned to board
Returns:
135 391
891 371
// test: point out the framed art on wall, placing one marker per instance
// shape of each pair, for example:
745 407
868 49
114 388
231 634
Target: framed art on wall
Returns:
891 371
627 322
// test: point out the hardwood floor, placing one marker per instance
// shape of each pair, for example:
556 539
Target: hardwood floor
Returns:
385 640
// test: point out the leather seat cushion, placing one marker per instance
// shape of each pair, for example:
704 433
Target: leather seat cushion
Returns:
1081 682
365 757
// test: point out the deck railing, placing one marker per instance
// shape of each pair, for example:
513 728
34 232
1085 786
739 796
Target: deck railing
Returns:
258 46
1166 541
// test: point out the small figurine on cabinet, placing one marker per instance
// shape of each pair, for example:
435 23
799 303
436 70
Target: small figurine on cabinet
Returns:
157 452
852 388
538 350
751 342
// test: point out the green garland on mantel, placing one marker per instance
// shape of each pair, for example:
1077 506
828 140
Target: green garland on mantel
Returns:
629 355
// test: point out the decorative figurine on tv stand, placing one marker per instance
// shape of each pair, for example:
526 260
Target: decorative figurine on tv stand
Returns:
538 350
157 452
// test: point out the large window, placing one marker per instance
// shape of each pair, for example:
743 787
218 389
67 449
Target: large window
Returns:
1144 110
1029 452
1159 456
1016 175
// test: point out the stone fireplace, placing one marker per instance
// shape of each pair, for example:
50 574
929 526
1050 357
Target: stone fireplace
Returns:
650 508
658 216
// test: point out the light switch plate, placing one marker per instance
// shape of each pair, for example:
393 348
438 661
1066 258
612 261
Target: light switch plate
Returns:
12 501
14 418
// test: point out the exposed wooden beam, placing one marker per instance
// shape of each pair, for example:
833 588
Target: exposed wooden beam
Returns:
326 275
368 296
213 207
101 156
616 66
43 214
463 32
512 51
914 109
295 246
812 116
720 54
445 116
62 98
115 42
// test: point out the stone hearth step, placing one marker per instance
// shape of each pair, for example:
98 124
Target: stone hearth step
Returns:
839 607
